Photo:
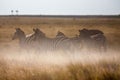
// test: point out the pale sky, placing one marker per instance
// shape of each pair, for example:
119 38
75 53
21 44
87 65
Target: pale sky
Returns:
61 7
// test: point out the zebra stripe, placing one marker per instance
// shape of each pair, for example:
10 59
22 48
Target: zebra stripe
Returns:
52 44
25 42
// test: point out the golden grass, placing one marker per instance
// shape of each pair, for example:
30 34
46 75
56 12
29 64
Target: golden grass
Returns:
58 66
15 66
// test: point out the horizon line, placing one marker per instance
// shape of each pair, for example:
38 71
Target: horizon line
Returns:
49 15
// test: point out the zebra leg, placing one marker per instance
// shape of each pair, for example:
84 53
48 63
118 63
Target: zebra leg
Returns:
104 48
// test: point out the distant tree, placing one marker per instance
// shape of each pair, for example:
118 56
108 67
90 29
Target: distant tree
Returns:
17 12
12 12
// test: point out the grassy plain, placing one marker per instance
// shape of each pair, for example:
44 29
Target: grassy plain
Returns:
82 66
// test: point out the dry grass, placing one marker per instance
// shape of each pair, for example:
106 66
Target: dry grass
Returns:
58 66
22 66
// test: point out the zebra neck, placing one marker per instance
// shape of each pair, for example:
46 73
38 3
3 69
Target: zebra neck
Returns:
21 40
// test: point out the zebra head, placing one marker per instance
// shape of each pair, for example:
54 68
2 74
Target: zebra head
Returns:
19 34
60 34
84 33
38 33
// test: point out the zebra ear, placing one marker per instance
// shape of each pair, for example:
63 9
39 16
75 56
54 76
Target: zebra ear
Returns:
17 29
58 31
37 29
34 29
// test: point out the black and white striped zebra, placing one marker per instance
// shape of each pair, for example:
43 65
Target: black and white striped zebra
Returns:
60 42
93 39
26 42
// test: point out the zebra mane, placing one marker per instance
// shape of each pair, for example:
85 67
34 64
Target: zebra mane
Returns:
28 35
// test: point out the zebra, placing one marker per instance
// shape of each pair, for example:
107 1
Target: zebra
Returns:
26 42
93 39
75 42
60 42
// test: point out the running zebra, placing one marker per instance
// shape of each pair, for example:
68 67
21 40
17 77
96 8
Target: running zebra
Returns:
93 39
60 42
26 42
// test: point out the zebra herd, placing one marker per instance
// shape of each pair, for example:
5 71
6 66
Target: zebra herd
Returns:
39 42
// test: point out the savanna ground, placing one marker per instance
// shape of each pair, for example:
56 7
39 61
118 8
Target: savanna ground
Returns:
59 66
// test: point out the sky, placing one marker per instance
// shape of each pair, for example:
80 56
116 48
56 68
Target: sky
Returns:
60 7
